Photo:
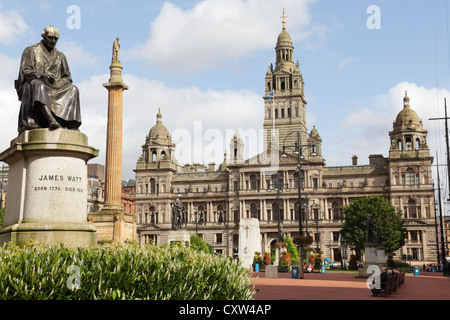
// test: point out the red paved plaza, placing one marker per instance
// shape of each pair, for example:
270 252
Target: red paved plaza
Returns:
345 286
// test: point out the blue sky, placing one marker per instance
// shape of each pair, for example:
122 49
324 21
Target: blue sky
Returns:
203 64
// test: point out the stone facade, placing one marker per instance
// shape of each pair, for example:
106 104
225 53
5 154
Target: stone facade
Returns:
216 200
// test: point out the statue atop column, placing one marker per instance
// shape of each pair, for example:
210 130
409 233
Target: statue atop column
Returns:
177 214
116 48
44 86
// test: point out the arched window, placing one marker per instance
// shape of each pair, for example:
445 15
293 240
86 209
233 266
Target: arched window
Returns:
408 144
201 215
276 113
154 156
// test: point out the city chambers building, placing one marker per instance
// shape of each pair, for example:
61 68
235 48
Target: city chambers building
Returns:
266 186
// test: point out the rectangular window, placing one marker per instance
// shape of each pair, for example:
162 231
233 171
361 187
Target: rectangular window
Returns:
315 183
218 238
335 236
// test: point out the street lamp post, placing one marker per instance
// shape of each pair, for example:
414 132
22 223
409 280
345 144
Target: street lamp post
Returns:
298 150
279 186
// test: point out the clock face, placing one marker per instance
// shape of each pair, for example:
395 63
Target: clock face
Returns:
246 250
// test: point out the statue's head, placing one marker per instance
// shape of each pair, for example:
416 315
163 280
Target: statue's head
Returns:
50 37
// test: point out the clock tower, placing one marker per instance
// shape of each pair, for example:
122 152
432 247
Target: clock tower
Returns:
285 104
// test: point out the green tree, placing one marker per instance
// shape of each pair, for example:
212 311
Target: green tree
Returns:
291 249
354 228
198 244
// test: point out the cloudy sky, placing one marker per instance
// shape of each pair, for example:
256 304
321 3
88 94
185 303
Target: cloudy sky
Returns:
203 63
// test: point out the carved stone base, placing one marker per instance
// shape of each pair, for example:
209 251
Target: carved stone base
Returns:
179 236
46 199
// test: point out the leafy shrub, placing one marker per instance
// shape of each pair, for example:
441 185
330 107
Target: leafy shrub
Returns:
257 258
198 244
292 249
115 271
267 258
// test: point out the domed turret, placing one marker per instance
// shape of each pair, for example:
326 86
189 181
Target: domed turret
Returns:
407 118
408 138
159 133
284 50
158 144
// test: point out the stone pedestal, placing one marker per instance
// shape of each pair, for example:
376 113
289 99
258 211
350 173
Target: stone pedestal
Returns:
115 226
271 271
46 199
179 236
249 240
374 254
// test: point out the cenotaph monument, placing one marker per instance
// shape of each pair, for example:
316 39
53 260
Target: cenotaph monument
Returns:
111 221
46 200
249 241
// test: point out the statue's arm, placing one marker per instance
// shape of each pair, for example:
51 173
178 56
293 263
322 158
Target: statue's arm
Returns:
65 70
28 70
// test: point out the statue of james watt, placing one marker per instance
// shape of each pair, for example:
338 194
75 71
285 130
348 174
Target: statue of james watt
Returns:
48 97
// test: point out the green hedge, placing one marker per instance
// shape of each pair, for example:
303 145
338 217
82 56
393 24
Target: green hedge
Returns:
125 272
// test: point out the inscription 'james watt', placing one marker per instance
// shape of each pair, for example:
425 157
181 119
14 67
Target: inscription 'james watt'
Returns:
59 177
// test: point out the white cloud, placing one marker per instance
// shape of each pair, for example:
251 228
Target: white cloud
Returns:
77 56
12 26
201 114
366 131
8 100
215 31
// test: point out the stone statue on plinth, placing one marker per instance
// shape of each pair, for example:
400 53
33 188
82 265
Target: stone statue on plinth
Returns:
48 164
44 86
177 214
370 237
379 240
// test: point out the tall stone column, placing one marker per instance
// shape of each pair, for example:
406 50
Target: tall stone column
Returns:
113 166
111 221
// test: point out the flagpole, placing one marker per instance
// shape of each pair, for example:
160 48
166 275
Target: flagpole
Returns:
272 95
